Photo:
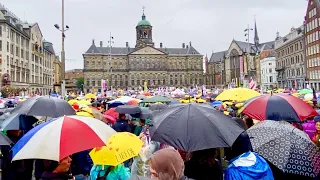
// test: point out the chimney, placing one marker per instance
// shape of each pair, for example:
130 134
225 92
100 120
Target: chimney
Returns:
160 45
187 46
92 41
183 45
127 44
101 44
190 43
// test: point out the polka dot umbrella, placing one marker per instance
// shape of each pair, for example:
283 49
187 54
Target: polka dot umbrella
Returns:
286 147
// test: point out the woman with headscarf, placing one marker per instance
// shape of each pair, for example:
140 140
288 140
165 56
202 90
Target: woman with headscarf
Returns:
167 164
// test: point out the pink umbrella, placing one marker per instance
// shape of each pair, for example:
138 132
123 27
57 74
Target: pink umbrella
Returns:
109 118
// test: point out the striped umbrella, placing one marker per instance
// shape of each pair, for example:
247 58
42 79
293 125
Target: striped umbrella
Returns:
61 137
278 107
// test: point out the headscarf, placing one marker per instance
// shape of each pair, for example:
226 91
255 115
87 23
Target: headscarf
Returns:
168 164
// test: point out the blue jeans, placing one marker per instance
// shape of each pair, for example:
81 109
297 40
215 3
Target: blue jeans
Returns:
81 177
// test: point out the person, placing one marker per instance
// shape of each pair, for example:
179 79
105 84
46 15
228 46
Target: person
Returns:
119 172
249 122
203 165
167 164
54 170
138 128
14 170
309 127
316 137
81 165
122 124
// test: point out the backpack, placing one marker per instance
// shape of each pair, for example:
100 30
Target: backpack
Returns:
104 177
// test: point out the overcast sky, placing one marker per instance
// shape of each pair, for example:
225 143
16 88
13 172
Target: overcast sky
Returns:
209 24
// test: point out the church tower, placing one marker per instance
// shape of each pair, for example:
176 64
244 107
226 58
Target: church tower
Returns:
256 37
144 33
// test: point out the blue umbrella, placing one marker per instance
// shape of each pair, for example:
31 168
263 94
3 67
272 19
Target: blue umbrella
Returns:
115 104
216 103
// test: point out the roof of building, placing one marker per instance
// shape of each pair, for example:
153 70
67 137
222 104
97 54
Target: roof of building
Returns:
48 46
217 56
93 49
12 20
74 70
144 21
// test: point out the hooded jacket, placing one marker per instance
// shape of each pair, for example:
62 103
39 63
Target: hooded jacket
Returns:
248 166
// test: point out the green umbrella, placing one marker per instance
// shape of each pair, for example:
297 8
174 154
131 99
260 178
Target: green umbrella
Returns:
305 91
156 99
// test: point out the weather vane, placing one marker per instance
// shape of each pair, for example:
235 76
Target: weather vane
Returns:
143 8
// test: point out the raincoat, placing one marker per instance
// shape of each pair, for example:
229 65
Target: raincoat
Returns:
119 172
309 128
248 166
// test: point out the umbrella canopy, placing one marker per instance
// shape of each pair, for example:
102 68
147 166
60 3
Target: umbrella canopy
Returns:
157 107
155 99
59 138
44 106
237 94
4 140
119 148
285 146
123 99
128 109
278 107
144 114
133 102
112 112
115 104
192 127
18 122
305 91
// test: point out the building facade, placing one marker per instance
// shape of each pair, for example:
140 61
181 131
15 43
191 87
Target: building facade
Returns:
268 72
56 80
290 59
24 60
311 42
216 70
127 67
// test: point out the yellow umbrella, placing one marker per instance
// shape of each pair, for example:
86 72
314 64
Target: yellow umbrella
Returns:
237 94
84 102
120 147
86 114
94 112
90 96
72 101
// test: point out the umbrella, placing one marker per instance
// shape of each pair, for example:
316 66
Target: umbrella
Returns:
4 140
192 127
237 94
90 96
44 106
278 107
115 104
155 107
119 148
141 97
18 122
155 99
305 91
86 114
144 114
128 109
285 146
216 103
112 112
96 113
61 137
133 102
110 119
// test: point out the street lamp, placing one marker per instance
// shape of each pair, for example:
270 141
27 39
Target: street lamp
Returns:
62 30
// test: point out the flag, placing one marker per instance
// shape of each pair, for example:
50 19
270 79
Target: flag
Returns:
252 83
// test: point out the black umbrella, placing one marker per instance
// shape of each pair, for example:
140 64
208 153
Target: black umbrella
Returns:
44 106
4 140
286 147
18 122
128 109
192 127
157 107
144 114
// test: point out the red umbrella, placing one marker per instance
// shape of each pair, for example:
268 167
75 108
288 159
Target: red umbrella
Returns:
111 112
278 107
110 119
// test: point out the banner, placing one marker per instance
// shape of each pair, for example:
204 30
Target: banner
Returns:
145 86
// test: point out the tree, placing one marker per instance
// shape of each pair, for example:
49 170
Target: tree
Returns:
80 83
